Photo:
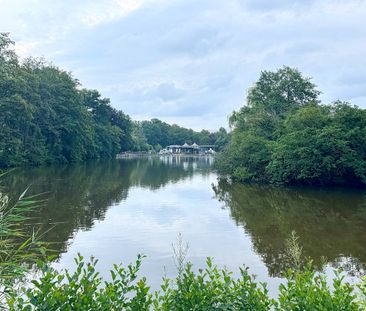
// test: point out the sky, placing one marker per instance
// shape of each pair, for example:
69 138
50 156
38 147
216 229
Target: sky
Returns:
191 62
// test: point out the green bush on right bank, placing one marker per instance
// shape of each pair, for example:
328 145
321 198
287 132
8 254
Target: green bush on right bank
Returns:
284 135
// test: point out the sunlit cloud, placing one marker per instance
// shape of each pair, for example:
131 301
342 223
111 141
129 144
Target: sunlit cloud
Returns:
107 12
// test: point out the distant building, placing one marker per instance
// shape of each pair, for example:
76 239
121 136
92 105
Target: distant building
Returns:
189 149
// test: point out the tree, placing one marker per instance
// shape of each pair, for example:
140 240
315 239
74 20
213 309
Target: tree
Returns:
283 135
46 118
221 138
139 140
274 95
318 146
160 133
281 91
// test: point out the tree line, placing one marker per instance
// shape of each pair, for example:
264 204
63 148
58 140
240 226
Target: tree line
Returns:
285 135
155 134
47 117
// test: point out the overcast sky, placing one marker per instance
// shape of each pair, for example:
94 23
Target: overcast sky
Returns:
191 61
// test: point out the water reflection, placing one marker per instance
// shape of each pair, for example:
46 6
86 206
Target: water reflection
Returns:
331 223
117 209
78 195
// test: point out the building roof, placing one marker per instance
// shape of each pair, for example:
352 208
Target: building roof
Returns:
174 146
193 146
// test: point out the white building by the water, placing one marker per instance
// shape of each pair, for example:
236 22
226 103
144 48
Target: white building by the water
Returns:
189 149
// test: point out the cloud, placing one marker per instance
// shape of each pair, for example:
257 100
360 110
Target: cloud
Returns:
189 61
104 12
163 92
264 5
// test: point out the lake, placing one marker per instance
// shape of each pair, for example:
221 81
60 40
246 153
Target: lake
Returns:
117 209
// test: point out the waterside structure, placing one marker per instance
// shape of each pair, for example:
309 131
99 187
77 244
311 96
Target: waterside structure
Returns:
193 149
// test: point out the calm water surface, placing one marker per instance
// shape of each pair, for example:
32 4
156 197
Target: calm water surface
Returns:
117 209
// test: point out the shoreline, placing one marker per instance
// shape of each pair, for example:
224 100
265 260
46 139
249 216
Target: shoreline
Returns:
126 155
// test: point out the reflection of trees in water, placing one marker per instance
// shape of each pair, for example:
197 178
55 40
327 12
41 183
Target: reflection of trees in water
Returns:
78 195
155 173
353 266
330 223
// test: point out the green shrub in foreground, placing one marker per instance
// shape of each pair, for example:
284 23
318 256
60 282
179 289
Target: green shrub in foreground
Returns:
208 289
212 289
308 290
85 290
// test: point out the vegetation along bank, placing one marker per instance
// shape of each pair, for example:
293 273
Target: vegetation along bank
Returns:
46 117
284 135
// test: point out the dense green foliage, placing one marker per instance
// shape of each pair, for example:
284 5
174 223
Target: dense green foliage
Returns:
284 135
210 288
156 134
46 118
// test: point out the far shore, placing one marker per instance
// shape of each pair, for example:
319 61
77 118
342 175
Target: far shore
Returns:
131 154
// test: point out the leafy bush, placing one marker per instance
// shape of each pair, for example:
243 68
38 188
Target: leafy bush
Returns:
210 288
85 290
309 290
